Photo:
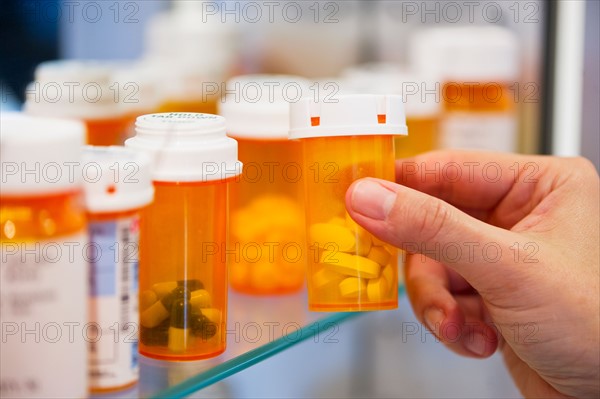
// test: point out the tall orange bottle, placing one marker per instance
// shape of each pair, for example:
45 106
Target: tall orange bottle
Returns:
43 273
267 215
183 274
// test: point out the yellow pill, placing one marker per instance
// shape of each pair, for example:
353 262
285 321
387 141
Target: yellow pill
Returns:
147 299
377 289
325 277
199 299
362 237
378 242
352 287
162 289
350 265
178 339
264 276
388 275
325 235
379 255
154 315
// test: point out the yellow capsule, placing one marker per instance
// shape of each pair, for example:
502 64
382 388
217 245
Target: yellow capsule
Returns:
351 287
162 289
213 315
154 315
147 299
327 234
350 265
325 277
379 255
377 289
178 339
199 299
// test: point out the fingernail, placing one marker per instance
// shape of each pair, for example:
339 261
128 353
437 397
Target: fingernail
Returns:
475 343
433 318
372 200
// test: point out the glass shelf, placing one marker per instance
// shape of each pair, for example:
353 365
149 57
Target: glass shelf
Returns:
258 328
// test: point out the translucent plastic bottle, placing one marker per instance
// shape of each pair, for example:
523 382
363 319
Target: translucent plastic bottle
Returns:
117 186
43 273
183 274
421 99
81 90
196 50
267 216
348 268
477 67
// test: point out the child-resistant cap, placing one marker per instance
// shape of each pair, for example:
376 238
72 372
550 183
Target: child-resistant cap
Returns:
40 156
116 179
186 147
257 106
349 115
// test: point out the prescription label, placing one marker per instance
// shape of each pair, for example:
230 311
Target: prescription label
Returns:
114 302
492 132
43 318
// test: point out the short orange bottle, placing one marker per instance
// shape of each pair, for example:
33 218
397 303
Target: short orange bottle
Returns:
348 268
267 216
43 273
81 90
183 273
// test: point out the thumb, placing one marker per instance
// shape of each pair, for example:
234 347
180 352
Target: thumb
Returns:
419 223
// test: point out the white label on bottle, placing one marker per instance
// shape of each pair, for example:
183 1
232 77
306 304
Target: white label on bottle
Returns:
43 317
114 302
485 131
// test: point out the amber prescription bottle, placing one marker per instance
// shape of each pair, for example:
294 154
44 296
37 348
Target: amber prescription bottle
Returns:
267 230
478 68
348 268
421 102
117 186
43 274
183 274
82 90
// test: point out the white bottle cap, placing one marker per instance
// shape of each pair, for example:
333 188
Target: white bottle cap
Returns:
257 106
420 94
187 147
73 89
116 179
350 115
467 54
39 156
138 84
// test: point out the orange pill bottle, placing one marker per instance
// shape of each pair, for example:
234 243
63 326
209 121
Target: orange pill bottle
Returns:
267 216
117 187
43 273
183 234
421 101
81 90
348 268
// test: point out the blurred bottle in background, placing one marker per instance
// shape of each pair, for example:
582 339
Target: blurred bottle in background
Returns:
195 52
478 67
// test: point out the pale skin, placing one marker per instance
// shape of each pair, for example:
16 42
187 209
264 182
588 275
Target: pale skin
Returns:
533 293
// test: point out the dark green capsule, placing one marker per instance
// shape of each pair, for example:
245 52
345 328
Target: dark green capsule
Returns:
157 336
191 285
180 313
202 327
181 292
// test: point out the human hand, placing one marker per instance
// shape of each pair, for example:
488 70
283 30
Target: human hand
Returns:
512 245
